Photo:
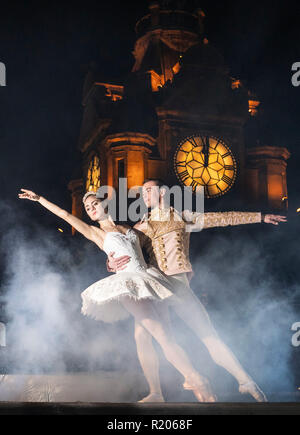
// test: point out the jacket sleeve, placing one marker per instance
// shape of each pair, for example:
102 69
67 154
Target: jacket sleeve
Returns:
231 218
200 221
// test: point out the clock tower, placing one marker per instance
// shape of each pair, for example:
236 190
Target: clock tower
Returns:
180 116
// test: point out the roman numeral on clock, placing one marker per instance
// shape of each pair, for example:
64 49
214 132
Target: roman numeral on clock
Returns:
226 155
226 180
205 140
229 167
194 185
184 175
192 141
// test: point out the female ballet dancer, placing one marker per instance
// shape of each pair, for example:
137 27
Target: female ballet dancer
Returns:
138 290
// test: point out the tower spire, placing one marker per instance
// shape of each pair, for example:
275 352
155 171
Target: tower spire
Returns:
164 35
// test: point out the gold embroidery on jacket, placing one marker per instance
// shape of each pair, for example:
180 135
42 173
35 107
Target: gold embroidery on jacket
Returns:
157 230
162 254
212 220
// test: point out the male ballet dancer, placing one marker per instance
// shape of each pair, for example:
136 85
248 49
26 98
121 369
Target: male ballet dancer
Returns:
166 240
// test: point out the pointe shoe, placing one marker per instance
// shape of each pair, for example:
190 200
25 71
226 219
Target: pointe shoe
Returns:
153 398
253 389
201 389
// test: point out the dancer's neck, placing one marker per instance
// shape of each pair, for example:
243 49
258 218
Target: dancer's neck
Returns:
162 205
107 223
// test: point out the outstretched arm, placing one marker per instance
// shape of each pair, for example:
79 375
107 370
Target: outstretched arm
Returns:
212 220
240 218
79 225
225 219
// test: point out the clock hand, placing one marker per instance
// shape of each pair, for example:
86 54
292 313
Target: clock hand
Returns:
206 152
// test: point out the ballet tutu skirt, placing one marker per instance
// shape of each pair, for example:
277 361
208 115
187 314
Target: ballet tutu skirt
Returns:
103 299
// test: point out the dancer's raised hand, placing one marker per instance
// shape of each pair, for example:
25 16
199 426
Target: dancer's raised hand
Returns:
274 219
28 194
90 232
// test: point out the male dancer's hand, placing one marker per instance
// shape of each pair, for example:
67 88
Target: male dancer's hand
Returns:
28 194
117 264
274 219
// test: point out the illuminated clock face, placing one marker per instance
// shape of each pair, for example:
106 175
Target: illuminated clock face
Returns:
206 161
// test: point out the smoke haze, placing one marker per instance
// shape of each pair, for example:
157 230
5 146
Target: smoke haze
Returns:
252 308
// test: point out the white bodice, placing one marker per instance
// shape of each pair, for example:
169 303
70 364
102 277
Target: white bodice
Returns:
126 244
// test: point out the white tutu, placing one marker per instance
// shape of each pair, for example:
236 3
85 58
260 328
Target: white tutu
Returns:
103 299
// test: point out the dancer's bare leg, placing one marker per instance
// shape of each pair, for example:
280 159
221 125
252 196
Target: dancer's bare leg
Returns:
145 313
196 317
149 362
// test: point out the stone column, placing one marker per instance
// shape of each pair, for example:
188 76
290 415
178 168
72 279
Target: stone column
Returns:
135 149
267 180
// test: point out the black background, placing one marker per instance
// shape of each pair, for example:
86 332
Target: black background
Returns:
47 47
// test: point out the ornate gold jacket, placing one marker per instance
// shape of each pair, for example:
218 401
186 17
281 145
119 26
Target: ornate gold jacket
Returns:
166 234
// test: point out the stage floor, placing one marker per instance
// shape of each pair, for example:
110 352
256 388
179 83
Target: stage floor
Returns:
115 393
163 409
99 387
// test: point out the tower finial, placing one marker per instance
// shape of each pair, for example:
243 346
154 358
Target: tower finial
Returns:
201 17
165 3
153 4
154 10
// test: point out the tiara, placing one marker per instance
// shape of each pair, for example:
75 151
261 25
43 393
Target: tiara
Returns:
87 195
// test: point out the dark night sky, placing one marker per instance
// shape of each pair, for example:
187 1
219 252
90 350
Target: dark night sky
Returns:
46 49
